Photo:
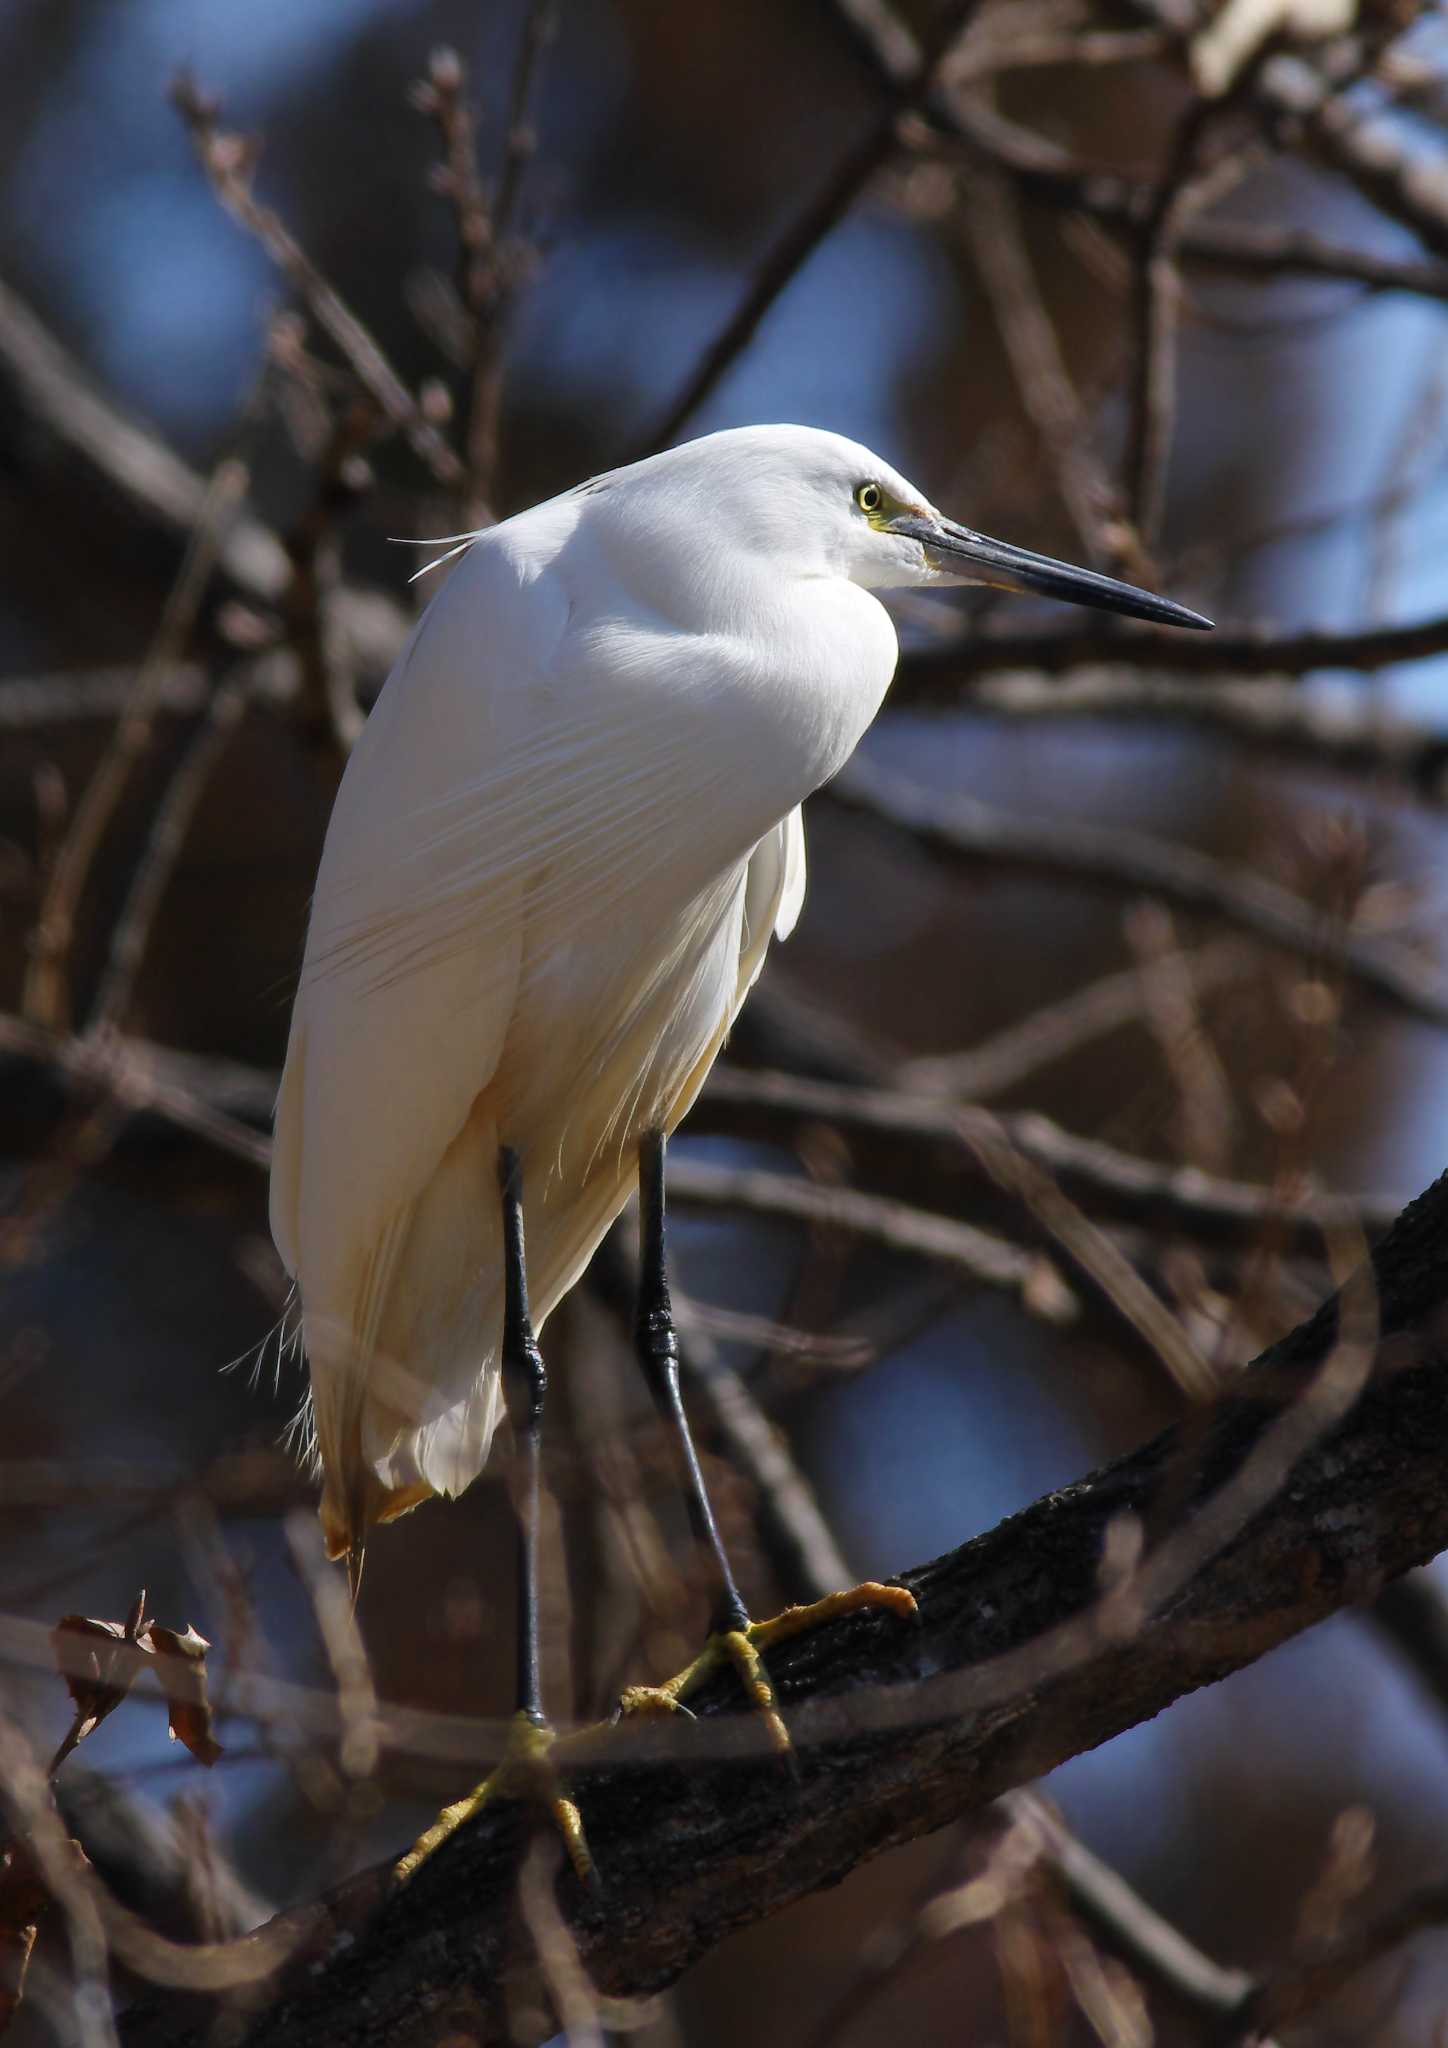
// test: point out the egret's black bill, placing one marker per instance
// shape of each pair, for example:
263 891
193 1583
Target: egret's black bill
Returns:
997 562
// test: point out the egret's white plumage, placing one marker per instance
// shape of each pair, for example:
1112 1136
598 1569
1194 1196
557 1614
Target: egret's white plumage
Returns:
558 854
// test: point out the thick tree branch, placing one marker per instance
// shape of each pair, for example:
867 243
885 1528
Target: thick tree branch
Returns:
900 1730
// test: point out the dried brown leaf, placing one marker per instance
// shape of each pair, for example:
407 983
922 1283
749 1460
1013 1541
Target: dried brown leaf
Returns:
181 1668
101 1660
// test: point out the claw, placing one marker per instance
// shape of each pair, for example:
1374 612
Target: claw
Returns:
526 1772
742 1648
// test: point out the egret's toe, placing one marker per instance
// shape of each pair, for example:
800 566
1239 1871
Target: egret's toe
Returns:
528 1772
742 1647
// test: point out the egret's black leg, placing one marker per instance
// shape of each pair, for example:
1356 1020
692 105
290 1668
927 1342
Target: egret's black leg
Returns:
658 1350
526 1771
734 1637
525 1384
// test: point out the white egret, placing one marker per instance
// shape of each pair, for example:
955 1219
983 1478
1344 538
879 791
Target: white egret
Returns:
557 856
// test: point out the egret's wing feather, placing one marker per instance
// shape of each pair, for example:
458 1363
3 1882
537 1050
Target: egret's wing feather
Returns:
394 1061
773 894
594 777
792 885
511 808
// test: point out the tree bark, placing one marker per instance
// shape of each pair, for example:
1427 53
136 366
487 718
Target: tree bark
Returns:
1028 1650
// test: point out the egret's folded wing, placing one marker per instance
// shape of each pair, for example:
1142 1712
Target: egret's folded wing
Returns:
383 1067
515 792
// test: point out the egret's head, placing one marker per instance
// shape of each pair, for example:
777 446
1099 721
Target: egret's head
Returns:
829 507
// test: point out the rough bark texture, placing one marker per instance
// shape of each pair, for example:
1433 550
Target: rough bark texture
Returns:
902 1729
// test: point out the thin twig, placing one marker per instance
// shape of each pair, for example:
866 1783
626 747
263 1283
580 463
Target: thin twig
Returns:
1110 856
135 1077
789 254
357 1711
801 1545
1054 175
75 696
1380 161
1206 1119
571 1995
120 459
1253 249
490 309
342 478
120 453
1185 193
991 221
896 1226
1089 1248
1172 1197
1355 734
99 1921
47 994
490 262
540 25
228 161
25 1801
1104 1899
993 1066
1282 1997
965 1897
987 56
172 821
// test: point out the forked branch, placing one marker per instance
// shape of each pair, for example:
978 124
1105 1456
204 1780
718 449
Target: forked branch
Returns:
1088 1612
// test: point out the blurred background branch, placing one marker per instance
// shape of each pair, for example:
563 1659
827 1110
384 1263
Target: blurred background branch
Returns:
1160 286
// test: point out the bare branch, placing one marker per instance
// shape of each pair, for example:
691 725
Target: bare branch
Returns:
47 996
73 696
1186 192
228 161
718 1848
172 821
896 1226
489 262
990 219
937 674
1174 1197
1047 172
789 254
122 454
1358 735
1379 161
1013 1055
129 463
964 828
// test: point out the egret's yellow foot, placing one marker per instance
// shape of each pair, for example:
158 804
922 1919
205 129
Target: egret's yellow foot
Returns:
527 1771
743 1648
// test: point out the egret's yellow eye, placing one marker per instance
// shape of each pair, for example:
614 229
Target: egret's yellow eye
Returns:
869 497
